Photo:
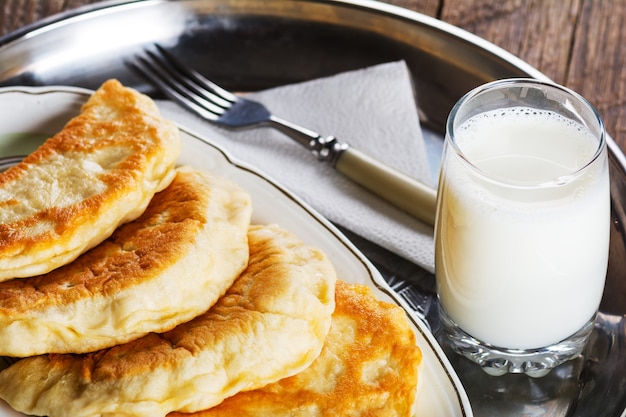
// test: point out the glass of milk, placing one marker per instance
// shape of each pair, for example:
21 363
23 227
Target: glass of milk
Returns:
522 230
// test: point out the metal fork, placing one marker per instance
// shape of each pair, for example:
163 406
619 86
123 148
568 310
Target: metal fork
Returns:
219 106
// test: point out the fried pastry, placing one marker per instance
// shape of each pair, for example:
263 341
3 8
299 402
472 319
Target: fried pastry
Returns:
368 367
270 324
166 267
72 192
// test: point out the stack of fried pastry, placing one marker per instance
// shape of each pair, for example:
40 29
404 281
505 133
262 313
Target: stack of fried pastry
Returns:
133 287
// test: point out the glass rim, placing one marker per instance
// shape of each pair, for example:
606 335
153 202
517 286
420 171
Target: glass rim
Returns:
554 182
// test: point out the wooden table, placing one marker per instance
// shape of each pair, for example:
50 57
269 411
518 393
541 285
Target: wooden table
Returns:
578 43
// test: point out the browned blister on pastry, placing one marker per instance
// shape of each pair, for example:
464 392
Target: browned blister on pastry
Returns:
72 192
270 324
368 367
164 268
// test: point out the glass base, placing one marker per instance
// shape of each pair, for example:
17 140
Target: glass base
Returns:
499 361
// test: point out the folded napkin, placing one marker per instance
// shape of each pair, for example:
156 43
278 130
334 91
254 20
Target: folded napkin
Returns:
373 110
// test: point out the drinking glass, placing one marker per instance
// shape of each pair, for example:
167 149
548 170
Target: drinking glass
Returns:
522 229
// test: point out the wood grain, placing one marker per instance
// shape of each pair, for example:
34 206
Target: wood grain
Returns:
15 14
598 65
427 7
18 13
539 32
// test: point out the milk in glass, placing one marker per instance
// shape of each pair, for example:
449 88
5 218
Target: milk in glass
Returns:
522 237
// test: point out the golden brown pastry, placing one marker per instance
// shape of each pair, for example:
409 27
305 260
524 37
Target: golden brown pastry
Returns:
271 324
100 171
164 268
368 367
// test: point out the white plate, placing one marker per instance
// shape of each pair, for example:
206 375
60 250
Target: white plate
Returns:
29 113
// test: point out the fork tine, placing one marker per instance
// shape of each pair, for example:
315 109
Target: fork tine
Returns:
175 89
203 82
189 78
178 86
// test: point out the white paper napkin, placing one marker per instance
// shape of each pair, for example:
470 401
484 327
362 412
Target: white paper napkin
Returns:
372 109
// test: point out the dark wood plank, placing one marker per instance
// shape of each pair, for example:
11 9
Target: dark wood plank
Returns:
15 14
539 32
598 65
427 7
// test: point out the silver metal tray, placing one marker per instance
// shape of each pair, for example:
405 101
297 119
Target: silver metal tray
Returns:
249 45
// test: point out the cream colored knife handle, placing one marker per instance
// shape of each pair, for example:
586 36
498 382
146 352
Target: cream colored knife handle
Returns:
406 193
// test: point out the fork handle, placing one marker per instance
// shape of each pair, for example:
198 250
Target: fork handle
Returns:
406 193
